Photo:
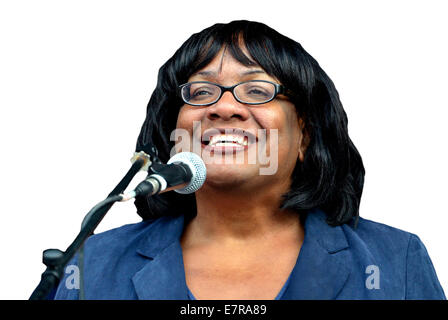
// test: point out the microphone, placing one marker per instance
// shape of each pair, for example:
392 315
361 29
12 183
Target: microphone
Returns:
184 173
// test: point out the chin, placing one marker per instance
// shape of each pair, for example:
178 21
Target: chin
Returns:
230 175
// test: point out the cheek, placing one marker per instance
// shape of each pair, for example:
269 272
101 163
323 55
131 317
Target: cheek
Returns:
188 124
284 119
268 118
184 120
293 135
290 124
189 118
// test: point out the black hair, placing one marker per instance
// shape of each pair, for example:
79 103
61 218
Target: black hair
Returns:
331 176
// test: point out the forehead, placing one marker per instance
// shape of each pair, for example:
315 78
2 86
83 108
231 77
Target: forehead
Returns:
225 65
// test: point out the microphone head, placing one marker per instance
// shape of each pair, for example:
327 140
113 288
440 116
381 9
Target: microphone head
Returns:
197 168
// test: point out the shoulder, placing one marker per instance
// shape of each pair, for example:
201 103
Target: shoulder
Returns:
129 234
382 243
121 236
399 255
112 257
378 237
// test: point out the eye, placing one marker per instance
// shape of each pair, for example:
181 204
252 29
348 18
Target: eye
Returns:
256 91
201 92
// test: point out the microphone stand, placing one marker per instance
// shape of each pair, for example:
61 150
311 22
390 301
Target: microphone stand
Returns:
56 260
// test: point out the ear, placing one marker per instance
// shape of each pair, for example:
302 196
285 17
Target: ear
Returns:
304 140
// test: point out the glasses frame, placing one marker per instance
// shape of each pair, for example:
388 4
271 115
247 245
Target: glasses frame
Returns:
279 89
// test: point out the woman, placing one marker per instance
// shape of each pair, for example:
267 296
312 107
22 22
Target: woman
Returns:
291 233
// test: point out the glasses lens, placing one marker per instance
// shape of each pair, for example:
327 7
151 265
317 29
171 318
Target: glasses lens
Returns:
255 91
200 93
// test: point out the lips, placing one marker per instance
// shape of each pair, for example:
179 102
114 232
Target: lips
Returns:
227 139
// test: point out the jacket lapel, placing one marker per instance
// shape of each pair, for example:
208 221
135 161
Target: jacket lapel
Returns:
163 276
321 270
322 267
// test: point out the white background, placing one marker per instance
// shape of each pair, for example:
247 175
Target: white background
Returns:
75 78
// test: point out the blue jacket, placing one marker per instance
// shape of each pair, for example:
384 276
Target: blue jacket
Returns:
372 261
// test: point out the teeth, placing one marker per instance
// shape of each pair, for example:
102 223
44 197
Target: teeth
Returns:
227 140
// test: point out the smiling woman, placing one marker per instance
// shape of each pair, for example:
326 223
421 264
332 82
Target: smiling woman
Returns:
331 177
293 232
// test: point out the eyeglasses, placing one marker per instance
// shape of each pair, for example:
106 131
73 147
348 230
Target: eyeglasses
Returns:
204 93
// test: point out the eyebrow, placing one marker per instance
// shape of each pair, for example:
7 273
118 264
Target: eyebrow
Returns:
214 74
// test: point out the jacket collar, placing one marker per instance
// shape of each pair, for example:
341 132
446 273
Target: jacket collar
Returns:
322 267
167 230
321 270
163 277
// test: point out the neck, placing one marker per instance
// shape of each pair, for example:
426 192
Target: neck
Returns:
236 215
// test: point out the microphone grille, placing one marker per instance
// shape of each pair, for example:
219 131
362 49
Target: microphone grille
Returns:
197 167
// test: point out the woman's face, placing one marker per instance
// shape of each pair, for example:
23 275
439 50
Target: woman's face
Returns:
223 129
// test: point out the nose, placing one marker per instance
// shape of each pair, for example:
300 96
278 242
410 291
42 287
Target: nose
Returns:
228 108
